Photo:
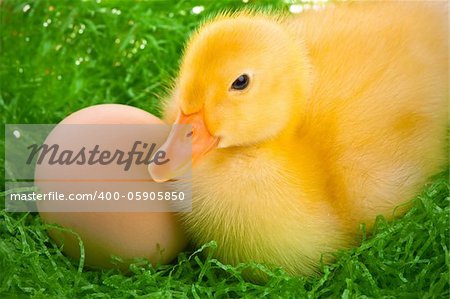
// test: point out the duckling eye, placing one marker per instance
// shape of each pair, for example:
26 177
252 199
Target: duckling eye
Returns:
241 82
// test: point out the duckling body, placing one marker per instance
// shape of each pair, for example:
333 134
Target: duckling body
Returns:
380 99
346 120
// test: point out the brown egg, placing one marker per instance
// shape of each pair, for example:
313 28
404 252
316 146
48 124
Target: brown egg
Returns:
156 236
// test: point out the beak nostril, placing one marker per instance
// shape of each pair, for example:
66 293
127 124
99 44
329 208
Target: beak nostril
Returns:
190 134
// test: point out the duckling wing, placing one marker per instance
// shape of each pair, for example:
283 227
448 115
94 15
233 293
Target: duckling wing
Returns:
379 98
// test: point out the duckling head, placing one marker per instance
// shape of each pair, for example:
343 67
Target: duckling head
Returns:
243 80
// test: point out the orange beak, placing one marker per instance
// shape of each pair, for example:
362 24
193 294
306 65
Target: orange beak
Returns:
188 141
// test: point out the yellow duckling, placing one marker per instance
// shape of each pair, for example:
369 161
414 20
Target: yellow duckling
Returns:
306 126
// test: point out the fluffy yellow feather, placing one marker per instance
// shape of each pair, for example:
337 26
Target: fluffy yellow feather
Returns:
344 118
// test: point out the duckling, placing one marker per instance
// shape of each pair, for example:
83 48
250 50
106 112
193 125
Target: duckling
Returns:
304 127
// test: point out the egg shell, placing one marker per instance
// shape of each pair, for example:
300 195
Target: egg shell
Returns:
157 236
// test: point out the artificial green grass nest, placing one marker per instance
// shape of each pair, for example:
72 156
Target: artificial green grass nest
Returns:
60 56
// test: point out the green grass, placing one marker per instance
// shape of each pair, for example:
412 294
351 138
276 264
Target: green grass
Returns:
41 82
